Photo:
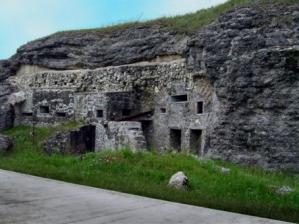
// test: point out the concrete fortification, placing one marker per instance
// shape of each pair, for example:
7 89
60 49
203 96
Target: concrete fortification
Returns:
228 91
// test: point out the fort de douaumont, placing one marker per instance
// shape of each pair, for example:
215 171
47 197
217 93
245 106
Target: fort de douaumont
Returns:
228 91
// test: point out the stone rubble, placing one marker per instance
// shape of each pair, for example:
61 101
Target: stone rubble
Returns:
179 181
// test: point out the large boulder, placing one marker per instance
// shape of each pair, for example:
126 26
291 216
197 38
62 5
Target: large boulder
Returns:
6 143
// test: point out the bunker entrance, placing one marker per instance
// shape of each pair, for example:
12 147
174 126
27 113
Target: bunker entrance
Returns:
195 141
147 128
176 139
83 140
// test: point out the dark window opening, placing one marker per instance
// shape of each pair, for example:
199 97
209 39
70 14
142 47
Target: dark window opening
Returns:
163 110
195 141
133 129
199 107
126 112
44 109
179 98
176 139
28 114
100 113
61 114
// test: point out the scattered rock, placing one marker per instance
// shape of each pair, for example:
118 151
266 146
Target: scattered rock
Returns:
6 143
225 171
179 181
284 190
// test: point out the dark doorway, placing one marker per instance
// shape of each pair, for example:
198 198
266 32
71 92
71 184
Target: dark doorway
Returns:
176 139
195 141
89 134
148 131
199 107
83 140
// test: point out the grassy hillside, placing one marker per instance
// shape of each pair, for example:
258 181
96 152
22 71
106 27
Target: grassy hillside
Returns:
193 21
244 190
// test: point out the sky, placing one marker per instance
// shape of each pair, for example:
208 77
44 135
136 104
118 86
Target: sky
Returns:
25 20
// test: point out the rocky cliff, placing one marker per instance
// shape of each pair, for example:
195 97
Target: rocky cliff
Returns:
96 48
250 55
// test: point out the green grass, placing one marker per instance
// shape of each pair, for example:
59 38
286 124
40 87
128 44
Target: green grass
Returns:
244 190
190 22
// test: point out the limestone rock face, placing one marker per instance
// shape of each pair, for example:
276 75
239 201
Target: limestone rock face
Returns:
6 143
179 181
93 49
6 113
252 57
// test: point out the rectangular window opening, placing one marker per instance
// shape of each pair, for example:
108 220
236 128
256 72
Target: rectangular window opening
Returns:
61 114
179 98
199 107
195 141
163 110
176 139
27 114
44 109
100 113
126 112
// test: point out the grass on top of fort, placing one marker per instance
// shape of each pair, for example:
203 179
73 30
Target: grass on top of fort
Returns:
244 190
190 22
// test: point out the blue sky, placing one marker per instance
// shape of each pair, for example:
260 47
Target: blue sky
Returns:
25 20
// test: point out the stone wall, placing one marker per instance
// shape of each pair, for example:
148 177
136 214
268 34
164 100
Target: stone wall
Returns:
124 93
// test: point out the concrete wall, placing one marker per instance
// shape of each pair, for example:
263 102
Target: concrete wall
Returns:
113 98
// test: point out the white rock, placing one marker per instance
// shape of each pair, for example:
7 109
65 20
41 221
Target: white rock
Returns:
179 181
225 170
284 190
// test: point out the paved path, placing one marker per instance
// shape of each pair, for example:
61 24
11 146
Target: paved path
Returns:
27 199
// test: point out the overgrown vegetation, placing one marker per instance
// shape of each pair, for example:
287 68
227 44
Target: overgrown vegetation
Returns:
190 22
244 190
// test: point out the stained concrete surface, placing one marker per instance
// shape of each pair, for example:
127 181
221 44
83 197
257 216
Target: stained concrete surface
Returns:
26 199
